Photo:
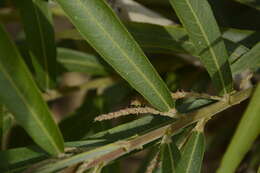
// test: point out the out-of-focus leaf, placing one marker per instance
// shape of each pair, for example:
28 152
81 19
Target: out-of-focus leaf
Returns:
250 60
244 37
251 3
179 138
254 157
199 21
37 21
114 167
170 156
11 161
17 158
247 131
77 61
75 126
6 122
22 98
192 154
118 48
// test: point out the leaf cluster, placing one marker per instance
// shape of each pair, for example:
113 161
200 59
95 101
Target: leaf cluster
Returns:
167 66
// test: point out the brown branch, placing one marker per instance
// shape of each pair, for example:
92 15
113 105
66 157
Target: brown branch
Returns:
120 148
184 94
154 163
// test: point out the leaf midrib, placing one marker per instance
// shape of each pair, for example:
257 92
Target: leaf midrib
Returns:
171 156
210 48
34 115
192 153
42 45
122 51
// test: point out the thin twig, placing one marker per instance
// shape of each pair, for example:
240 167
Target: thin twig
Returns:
183 94
154 163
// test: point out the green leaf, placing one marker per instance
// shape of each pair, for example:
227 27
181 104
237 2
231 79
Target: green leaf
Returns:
250 60
158 39
170 156
199 21
75 126
247 131
192 154
104 31
16 158
37 20
22 98
238 53
245 37
77 61
23 157
167 39
132 128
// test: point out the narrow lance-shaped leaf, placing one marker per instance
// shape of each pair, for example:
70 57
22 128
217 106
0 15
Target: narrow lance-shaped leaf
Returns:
170 156
73 60
192 154
37 21
98 24
250 60
248 130
199 21
20 95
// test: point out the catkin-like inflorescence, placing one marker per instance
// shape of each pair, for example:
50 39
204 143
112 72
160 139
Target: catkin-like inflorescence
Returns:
139 110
